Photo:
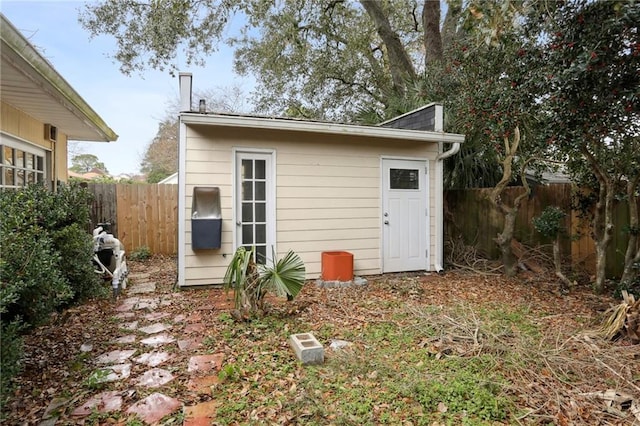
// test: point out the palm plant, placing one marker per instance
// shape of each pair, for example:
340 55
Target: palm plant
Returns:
251 282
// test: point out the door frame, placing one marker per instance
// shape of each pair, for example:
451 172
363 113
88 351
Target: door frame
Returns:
426 183
270 155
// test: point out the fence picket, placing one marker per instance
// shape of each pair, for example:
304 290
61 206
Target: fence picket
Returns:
141 214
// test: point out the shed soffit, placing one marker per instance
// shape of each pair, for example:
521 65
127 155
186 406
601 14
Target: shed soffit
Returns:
28 82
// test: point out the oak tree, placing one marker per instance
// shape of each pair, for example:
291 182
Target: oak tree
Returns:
328 57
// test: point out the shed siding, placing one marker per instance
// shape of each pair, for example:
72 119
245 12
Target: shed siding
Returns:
328 194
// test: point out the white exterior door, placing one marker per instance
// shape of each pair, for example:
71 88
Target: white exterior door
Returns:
255 204
404 215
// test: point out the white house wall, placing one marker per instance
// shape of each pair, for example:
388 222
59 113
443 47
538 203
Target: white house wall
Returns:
328 194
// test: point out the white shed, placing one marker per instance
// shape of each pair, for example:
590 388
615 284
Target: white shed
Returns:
284 184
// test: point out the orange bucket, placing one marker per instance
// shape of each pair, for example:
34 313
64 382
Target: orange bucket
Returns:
337 266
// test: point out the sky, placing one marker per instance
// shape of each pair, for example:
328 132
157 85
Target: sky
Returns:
132 106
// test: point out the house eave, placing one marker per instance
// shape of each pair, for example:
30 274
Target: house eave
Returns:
318 127
47 90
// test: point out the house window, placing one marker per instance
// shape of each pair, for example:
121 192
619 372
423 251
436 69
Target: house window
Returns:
20 164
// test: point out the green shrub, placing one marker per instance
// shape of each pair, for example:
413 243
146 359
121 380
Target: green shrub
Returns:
10 354
251 282
141 253
73 201
33 284
75 246
549 223
45 261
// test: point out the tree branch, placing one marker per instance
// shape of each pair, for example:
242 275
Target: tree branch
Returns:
507 164
358 85
400 64
331 6
415 20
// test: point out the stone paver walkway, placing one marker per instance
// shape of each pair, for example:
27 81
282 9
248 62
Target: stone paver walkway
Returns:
143 362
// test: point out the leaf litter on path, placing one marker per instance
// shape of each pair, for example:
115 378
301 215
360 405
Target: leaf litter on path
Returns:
562 376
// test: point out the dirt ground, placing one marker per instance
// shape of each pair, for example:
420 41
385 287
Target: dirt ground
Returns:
53 368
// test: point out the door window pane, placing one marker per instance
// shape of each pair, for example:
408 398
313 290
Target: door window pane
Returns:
247 169
247 234
247 191
260 191
247 212
404 179
260 169
261 254
261 212
261 234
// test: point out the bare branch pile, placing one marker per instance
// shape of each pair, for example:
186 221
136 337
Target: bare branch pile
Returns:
623 320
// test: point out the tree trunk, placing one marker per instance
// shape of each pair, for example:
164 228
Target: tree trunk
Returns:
449 30
400 64
509 213
602 220
504 243
603 228
557 262
632 254
432 37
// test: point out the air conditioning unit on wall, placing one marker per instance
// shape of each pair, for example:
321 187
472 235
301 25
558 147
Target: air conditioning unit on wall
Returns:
50 133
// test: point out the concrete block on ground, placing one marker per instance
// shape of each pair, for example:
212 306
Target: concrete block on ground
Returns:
307 348
357 281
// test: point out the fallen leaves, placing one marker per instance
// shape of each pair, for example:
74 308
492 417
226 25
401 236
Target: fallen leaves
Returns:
564 375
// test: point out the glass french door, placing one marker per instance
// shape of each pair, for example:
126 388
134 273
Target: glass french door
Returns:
255 207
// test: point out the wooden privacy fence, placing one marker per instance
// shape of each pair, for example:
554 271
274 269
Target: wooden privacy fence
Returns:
147 215
142 215
470 215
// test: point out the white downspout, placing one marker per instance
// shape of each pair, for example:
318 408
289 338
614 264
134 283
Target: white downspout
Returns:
451 151
439 127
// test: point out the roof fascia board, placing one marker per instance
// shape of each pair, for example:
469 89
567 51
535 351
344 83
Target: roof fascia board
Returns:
27 59
319 127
